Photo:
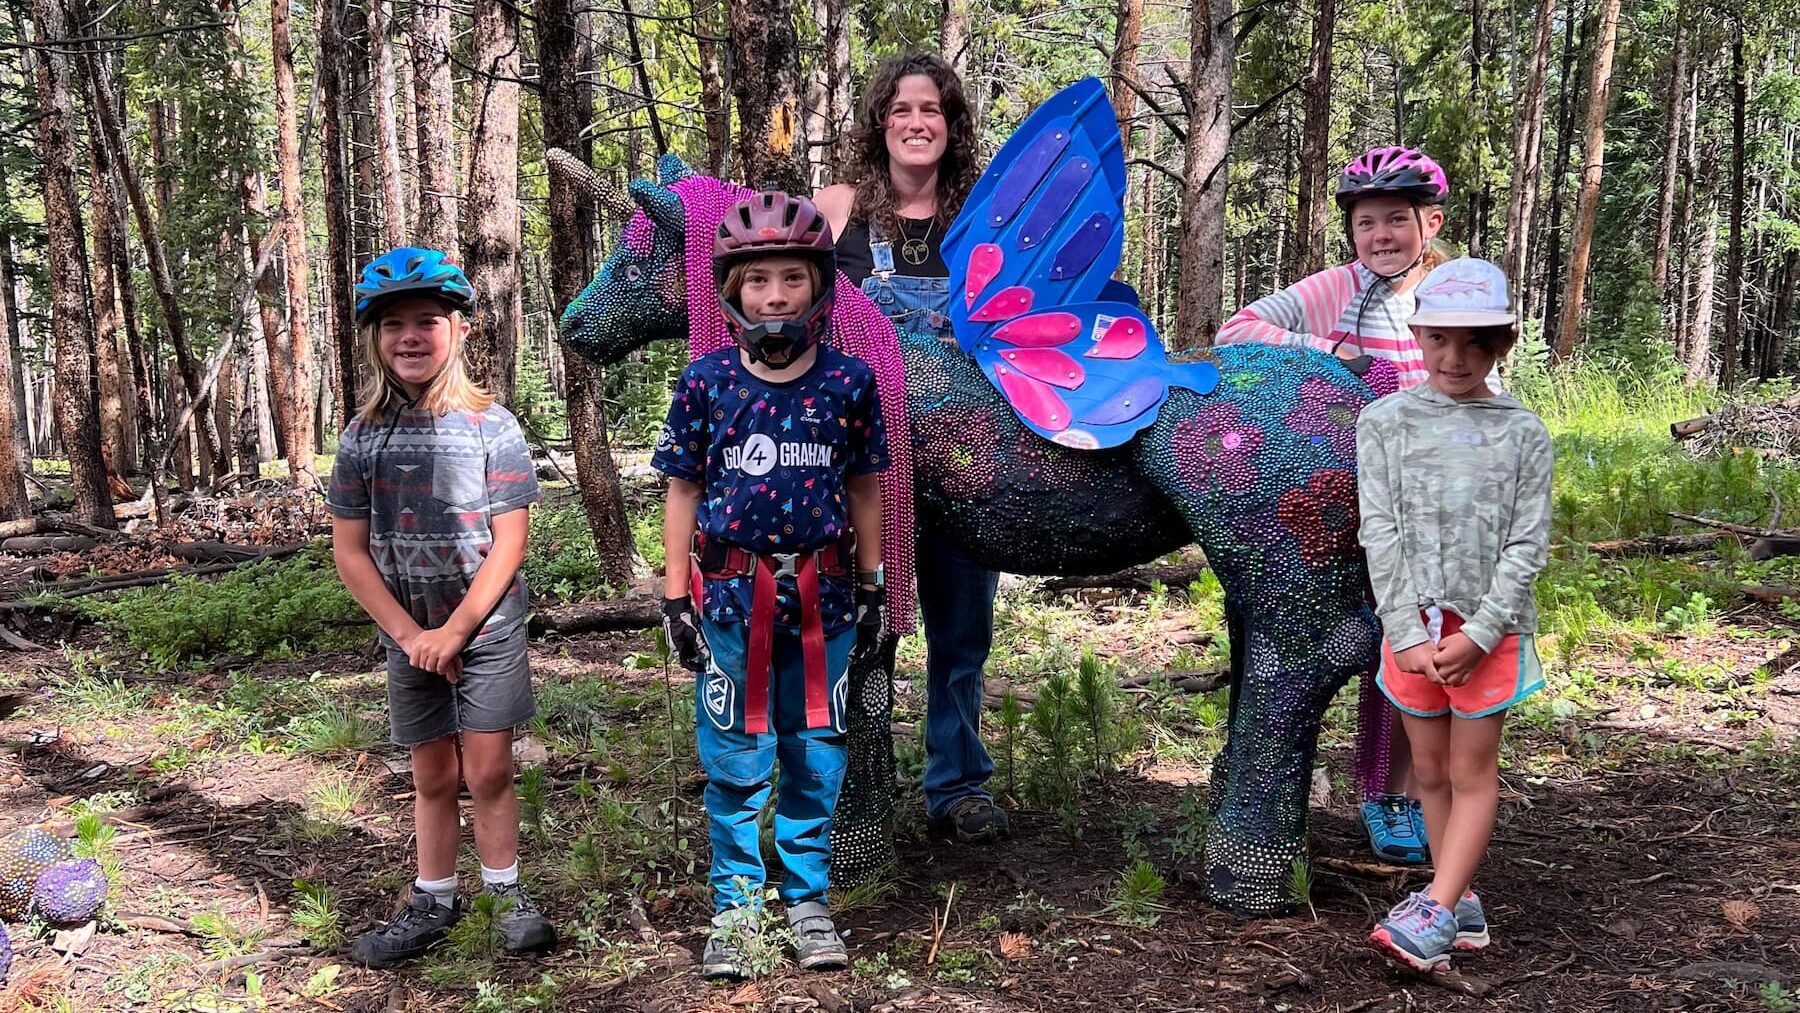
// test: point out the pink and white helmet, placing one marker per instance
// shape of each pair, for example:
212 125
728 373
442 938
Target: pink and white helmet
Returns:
774 223
1393 172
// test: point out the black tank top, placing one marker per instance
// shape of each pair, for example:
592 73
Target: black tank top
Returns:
858 263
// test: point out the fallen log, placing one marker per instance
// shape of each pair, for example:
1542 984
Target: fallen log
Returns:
22 526
25 545
1656 545
1775 545
1137 578
1771 594
1690 427
141 578
601 617
216 552
1736 529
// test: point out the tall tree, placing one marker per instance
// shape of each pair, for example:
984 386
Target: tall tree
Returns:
1593 166
714 108
13 430
1202 277
1672 119
1734 247
1128 32
492 254
1315 144
1704 224
339 257
69 323
566 57
766 83
828 93
1528 137
106 316
300 407
431 119
1569 93
953 34
394 222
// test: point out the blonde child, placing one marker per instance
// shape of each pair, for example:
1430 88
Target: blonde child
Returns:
1454 481
771 448
430 501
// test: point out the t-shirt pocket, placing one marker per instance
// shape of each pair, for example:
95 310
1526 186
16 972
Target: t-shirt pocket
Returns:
460 481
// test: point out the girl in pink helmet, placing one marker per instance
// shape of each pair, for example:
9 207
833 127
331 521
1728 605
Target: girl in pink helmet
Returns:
1393 205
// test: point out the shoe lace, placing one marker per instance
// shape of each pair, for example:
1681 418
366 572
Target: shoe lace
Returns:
410 917
1417 914
1396 816
971 805
515 892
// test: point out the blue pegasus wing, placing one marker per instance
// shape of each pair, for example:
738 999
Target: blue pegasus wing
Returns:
1032 299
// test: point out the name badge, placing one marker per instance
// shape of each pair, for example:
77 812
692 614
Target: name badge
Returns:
1472 439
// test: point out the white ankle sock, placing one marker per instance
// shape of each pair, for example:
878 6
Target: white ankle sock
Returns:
442 890
500 877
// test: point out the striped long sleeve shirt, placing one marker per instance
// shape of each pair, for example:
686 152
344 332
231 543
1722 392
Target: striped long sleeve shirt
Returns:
1317 311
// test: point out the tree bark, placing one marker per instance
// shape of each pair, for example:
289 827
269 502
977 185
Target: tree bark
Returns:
14 503
106 303
766 84
1593 166
299 409
431 101
394 222
953 34
1569 92
1665 201
162 280
827 95
1781 315
714 108
1481 200
18 432
69 324
339 259
1202 274
1528 138
1705 226
1734 256
1315 146
565 56
492 255
1128 30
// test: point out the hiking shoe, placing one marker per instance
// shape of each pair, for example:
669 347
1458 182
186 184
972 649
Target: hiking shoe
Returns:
817 946
1418 932
1415 810
522 926
1393 837
420 925
972 819
722 960
1471 923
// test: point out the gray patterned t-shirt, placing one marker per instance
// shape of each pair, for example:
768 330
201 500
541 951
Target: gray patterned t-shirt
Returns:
428 487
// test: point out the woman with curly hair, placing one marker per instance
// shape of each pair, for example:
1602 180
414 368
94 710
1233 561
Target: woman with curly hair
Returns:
915 163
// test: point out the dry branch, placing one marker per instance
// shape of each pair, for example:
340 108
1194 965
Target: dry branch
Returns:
604 617
1656 545
1137 578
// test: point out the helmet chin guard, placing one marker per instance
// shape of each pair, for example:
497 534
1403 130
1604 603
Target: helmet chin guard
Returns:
773 224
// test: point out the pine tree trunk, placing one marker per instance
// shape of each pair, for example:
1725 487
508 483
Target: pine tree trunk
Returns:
839 83
15 428
823 125
1734 256
492 254
107 321
299 409
1528 144
1706 246
1202 276
715 108
340 276
1153 226
365 185
1665 200
69 324
766 60
565 57
1128 30
437 210
394 222
1569 92
953 34
1593 165
1315 146
1781 315
1481 202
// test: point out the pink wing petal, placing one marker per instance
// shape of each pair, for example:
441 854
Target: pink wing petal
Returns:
1033 399
985 261
1046 364
1006 304
1040 330
1125 338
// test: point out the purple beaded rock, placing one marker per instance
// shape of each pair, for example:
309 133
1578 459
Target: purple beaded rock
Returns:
5 956
70 892
24 855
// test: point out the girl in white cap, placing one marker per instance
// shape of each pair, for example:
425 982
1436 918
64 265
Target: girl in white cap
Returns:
1454 480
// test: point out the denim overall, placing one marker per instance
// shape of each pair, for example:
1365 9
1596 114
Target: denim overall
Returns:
956 595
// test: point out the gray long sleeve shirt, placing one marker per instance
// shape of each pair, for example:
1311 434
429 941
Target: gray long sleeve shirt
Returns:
1455 499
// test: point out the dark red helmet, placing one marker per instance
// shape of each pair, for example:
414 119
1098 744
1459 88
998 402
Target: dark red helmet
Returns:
772 223
1393 172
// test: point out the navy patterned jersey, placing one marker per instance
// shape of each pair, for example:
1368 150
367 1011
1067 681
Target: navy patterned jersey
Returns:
427 485
771 459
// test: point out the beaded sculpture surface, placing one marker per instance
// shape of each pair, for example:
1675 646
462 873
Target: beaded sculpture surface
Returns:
24 855
1260 472
70 892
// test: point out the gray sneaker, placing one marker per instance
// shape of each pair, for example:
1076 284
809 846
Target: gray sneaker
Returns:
420 925
972 819
1471 923
522 926
817 946
721 960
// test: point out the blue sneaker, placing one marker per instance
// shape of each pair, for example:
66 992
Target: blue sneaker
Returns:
1471 923
1419 932
1392 835
1416 813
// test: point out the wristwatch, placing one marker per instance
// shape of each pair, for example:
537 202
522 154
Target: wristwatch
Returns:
871 578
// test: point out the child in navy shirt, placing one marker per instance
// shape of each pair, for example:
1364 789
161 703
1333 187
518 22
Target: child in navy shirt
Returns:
771 448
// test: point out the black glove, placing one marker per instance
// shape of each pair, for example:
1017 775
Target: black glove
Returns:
871 617
682 629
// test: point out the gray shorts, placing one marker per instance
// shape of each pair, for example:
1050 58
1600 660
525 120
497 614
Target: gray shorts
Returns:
494 693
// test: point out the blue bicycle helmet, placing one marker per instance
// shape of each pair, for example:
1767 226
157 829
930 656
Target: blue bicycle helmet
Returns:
411 270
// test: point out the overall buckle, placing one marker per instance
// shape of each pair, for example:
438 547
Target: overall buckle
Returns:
787 563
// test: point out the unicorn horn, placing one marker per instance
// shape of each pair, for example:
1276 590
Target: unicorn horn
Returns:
603 193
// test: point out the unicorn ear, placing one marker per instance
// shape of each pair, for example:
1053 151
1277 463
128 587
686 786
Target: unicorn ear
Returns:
661 205
671 169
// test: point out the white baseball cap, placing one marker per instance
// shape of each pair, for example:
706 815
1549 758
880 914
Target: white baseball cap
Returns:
1463 293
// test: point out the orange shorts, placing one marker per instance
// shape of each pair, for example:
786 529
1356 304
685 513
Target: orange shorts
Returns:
1510 673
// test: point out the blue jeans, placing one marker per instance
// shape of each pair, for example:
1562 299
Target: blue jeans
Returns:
956 600
739 767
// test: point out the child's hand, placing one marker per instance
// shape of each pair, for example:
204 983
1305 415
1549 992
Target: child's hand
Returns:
1456 659
439 651
1418 659
681 627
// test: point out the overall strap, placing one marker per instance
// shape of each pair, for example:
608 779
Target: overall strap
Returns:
761 653
881 251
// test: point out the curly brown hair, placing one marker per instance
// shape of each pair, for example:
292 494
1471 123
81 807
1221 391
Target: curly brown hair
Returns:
958 170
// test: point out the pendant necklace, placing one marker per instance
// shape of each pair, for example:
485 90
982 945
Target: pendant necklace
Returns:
917 251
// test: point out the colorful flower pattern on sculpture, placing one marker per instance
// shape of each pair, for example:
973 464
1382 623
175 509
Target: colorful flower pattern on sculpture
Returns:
1327 413
1214 444
1323 515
